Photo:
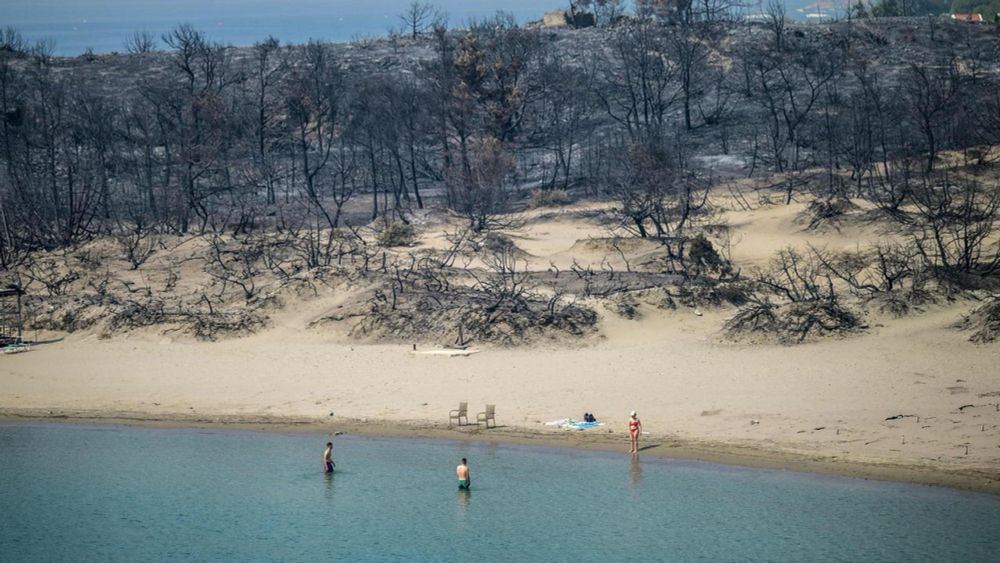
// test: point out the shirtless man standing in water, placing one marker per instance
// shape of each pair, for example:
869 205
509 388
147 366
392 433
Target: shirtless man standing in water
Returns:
327 460
328 463
462 473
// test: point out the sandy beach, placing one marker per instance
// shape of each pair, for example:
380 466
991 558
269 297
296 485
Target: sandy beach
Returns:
911 399
820 406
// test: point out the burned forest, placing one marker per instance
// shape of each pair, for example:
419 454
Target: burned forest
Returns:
193 188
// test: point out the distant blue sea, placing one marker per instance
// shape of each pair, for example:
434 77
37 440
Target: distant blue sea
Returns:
102 25
77 493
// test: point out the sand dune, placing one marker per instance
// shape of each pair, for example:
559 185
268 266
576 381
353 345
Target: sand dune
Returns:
911 392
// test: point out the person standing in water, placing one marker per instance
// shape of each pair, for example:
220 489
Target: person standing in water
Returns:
328 463
462 473
327 459
634 428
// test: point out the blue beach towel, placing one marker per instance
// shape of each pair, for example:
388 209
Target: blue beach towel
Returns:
580 425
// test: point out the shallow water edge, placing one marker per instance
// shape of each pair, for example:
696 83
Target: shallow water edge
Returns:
985 480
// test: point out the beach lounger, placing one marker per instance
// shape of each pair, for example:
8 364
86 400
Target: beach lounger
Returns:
486 417
458 415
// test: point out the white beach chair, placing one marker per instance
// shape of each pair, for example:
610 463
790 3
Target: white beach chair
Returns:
486 417
458 415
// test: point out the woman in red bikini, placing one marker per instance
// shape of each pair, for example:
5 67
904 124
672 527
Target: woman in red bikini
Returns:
634 428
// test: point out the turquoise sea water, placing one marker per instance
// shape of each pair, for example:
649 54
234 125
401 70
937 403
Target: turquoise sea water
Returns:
76 493
102 25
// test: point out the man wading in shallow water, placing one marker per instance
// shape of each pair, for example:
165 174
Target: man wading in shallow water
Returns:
462 473
327 460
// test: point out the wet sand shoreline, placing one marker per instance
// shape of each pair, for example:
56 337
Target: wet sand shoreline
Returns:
660 446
